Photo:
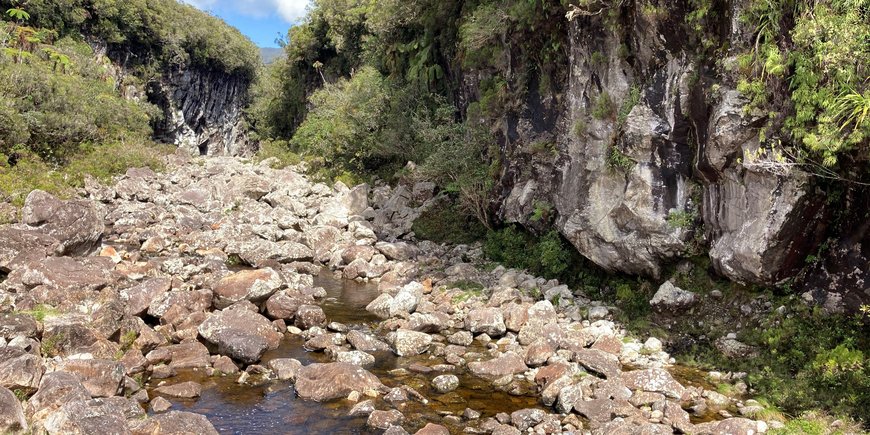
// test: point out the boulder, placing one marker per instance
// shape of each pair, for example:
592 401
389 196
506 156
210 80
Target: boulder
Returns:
308 316
12 419
399 251
95 416
18 325
526 418
183 390
174 423
20 370
55 390
285 369
365 342
20 247
190 355
654 381
672 298
356 358
251 285
324 382
445 383
240 334
140 297
409 343
102 378
599 361
76 224
508 363
385 419
485 321
433 429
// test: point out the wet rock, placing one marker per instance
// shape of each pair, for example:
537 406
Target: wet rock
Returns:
252 285
599 361
485 321
183 390
181 356
12 419
365 342
365 407
385 419
225 365
20 370
240 334
409 343
356 358
526 418
174 422
76 224
284 306
102 378
308 316
445 383
160 405
323 382
672 298
508 363
285 369
433 429
654 380
461 338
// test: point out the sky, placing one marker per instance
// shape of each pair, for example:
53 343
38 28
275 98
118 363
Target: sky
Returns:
260 20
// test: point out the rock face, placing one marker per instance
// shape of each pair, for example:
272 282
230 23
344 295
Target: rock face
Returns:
77 225
202 111
324 382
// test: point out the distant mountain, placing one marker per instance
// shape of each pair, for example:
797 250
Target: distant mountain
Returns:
271 54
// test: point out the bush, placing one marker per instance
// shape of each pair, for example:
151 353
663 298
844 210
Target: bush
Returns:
447 223
547 256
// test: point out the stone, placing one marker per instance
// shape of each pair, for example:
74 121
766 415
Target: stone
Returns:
224 365
526 418
190 355
308 316
506 364
283 306
55 390
538 353
445 383
485 321
460 338
285 369
240 334
399 251
174 422
365 407
385 419
655 381
410 343
252 285
95 416
433 429
183 390
12 419
20 247
102 378
159 405
18 325
672 298
365 342
20 370
76 224
324 382
140 297
652 345
355 357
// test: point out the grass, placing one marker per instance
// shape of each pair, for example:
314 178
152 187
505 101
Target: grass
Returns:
619 161
41 312
48 347
470 289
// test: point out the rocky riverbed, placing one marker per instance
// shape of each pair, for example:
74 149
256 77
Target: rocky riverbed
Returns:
221 290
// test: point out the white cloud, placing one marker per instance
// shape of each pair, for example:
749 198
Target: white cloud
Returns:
289 10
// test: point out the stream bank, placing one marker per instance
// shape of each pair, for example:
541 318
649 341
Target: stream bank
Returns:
202 291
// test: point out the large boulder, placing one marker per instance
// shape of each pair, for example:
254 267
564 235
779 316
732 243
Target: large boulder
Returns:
20 370
252 285
240 334
55 390
12 418
139 297
19 247
654 381
508 363
410 343
324 382
190 355
485 321
174 423
77 225
80 417
101 378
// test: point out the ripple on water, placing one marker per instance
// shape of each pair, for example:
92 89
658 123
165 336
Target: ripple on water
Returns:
274 408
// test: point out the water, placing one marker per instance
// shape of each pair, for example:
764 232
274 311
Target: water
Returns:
274 408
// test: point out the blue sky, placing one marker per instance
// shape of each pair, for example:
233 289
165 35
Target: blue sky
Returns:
260 20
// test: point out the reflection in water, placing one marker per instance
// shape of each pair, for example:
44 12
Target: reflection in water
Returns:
273 408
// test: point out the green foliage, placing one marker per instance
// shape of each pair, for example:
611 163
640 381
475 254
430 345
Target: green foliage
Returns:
629 103
579 128
548 256
280 151
681 218
619 161
822 60
543 212
604 107
447 223
41 312
159 34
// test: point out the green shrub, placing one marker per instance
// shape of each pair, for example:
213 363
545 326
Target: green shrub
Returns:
547 256
629 103
106 161
445 223
619 161
280 150
604 108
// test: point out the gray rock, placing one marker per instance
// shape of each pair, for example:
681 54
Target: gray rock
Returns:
20 370
251 285
285 369
76 224
671 298
385 419
445 383
324 382
355 357
508 363
485 320
12 419
240 334
409 343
